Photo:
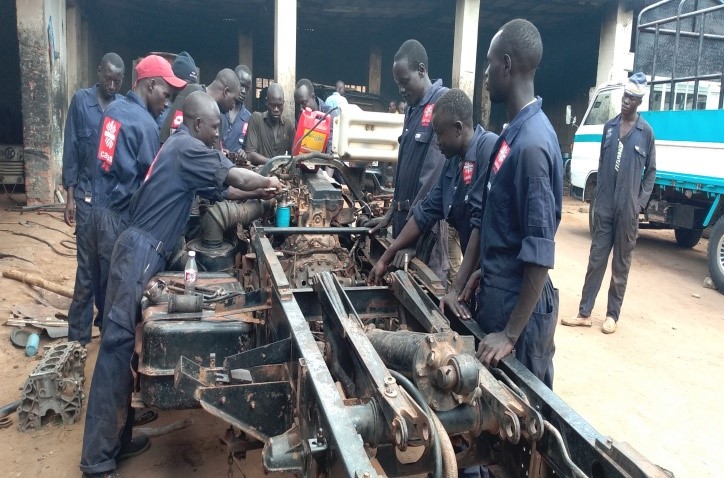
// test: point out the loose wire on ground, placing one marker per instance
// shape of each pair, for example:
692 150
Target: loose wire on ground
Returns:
52 247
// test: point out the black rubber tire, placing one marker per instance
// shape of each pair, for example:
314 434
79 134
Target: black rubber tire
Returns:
715 254
687 238
591 207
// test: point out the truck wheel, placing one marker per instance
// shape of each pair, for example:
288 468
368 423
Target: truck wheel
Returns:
687 238
715 254
591 208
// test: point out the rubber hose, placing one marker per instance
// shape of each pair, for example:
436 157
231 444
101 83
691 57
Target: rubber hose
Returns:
420 400
449 461
225 214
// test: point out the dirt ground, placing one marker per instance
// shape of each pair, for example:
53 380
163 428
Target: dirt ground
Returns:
653 384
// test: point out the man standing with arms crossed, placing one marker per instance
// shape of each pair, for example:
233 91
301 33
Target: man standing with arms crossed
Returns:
81 136
626 175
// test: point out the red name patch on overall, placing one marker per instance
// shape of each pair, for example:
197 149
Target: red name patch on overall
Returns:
178 118
150 170
502 154
109 138
243 130
427 115
468 171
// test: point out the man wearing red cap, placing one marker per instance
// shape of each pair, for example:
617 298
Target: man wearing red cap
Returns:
128 144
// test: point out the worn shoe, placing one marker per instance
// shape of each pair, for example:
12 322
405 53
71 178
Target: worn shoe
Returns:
138 445
609 325
105 474
577 321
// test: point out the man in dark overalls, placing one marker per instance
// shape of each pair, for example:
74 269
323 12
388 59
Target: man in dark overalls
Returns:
626 175
419 160
235 122
159 211
128 143
517 305
81 136
466 149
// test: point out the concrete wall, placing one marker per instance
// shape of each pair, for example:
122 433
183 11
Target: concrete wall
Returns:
44 93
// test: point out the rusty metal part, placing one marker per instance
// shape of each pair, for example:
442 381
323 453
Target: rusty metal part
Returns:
185 303
411 295
56 385
406 420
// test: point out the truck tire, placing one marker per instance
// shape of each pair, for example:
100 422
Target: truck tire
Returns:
715 254
687 238
591 214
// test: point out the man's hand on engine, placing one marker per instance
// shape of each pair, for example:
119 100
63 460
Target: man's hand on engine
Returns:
494 347
377 273
452 302
276 184
399 260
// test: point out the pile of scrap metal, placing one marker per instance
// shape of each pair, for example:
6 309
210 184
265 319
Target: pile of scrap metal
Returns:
332 377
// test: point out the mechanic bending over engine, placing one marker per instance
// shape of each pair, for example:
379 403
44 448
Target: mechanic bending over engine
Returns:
419 161
517 305
466 149
159 211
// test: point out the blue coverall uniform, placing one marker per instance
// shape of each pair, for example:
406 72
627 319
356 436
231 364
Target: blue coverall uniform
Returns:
521 213
419 165
453 196
129 142
160 209
233 134
82 128
623 189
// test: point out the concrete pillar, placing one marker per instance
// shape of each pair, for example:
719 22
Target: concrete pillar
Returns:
246 57
614 58
466 45
73 43
375 70
43 91
285 50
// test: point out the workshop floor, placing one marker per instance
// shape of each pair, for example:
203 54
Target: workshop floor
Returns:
654 383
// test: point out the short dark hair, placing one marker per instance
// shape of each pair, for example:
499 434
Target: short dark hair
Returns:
113 59
521 40
307 83
455 105
414 53
242 68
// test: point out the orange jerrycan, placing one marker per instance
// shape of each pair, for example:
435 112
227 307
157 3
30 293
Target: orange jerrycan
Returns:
317 139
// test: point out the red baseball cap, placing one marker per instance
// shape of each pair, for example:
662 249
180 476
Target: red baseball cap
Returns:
156 66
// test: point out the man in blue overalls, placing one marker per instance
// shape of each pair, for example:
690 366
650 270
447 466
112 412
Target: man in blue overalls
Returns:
159 211
626 175
420 161
128 143
81 136
235 122
517 303
466 149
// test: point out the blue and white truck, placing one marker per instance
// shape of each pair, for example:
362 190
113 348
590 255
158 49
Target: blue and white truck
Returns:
680 47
